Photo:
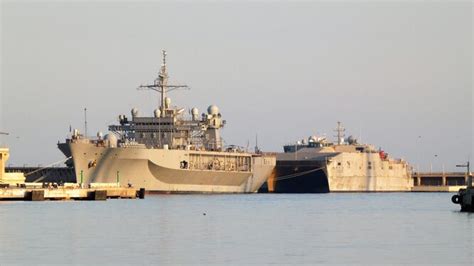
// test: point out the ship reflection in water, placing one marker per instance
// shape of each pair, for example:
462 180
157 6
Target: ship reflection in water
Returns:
344 228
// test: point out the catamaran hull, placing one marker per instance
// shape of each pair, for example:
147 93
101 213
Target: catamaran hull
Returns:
343 172
298 177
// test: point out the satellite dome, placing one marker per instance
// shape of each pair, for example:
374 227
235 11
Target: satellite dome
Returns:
112 139
212 110
134 112
157 113
351 140
167 102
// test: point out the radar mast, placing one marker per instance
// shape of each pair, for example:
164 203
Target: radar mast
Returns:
340 133
161 85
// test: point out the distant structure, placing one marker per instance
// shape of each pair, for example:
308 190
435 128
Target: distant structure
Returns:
8 179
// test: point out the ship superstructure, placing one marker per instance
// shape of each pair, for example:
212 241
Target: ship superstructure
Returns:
317 165
170 151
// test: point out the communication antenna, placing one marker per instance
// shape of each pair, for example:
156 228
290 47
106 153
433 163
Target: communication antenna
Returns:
340 133
161 85
85 122
257 150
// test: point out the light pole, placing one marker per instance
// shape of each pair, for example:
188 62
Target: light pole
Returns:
3 133
431 163
418 142
296 151
469 177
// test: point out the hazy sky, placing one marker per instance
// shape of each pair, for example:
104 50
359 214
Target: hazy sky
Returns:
398 74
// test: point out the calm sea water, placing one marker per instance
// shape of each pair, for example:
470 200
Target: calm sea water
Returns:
391 228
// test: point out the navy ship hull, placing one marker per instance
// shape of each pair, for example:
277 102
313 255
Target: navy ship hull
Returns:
319 166
299 177
310 171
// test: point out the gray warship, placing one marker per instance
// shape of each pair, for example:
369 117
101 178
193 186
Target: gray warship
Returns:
317 165
171 151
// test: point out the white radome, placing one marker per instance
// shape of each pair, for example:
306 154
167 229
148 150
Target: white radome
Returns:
134 112
212 110
112 139
157 112
167 102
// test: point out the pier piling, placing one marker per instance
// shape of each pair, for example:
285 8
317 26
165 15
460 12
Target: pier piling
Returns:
35 195
141 193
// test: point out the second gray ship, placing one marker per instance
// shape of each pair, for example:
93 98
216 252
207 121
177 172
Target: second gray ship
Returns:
316 165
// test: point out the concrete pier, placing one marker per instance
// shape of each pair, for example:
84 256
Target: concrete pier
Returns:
439 181
69 193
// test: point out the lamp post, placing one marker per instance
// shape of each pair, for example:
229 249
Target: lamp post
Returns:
418 142
468 173
443 176
436 161
3 133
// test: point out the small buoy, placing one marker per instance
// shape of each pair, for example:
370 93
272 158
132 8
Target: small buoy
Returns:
204 213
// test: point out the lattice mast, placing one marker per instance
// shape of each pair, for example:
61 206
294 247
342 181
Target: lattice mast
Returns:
340 133
161 85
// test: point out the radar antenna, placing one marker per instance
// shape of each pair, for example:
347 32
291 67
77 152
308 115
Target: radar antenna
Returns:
85 122
340 133
161 85
257 150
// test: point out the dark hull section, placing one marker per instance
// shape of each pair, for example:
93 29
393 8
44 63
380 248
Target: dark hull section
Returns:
299 177
49 175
